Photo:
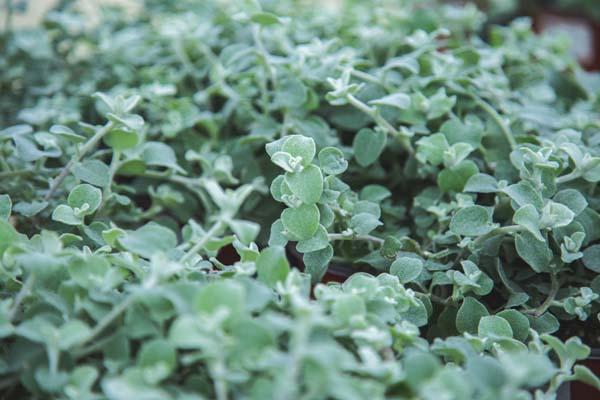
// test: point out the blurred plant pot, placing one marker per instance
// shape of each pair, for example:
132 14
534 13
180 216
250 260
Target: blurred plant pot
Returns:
583 31
228 255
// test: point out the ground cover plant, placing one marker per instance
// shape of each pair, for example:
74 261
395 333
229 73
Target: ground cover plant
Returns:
175 184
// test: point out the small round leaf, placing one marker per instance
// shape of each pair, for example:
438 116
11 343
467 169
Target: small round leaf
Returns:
92 171
518 322
302 222
300 146
407 269
319 241
272 265
307 184
494 327
85 194
158 359
472 221
121 139
368 145
332 161
226 294
591 258
469 314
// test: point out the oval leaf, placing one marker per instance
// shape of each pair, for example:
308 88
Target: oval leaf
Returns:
368 145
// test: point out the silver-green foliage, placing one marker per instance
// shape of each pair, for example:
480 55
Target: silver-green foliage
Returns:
135 154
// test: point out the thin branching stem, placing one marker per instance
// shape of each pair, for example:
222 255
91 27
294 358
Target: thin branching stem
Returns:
498 231
263 57
23 293
87 147
554 286
114 165
217 226
569 177
368 238
382 122
111 316
491 111
220 383
192 185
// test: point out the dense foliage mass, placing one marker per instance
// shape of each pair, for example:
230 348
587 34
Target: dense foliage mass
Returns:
458 167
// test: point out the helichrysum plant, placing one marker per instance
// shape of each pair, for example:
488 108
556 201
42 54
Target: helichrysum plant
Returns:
175 184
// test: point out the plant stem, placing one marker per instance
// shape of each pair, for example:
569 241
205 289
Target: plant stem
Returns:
108 319
188 183
96 345
437 299
440 254
89 145
569 177
263 56
382 122
370 111
220 383
151 212
497 118
362 75
285 126
114 165
485 106
368 238
538 312
12 174
298 341
498 231
4 164
217 226
173 178
23 292
179 48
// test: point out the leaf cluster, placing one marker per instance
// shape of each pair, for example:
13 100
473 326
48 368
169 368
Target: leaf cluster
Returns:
174 186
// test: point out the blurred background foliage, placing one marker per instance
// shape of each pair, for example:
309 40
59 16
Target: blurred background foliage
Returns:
31 12
577 19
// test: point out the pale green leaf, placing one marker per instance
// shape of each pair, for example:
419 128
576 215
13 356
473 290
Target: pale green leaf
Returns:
272 265
368 145
301 223
148 239
472 221
307 184
469 314
300 146
332 161
92 171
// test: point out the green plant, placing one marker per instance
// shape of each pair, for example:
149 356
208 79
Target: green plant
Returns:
138 154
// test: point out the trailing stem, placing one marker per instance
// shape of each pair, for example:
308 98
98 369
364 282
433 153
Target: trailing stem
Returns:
382 122
368 238
89 145
554 286
217 226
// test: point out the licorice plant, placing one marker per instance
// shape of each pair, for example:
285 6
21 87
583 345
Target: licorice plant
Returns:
176 183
